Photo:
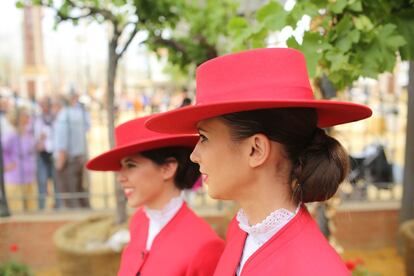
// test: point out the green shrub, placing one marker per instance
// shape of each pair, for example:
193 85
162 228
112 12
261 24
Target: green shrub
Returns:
12 268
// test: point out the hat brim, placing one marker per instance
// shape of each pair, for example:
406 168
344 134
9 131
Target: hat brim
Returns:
184 120
111 160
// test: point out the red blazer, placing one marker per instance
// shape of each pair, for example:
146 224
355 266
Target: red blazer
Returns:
298 249
186 246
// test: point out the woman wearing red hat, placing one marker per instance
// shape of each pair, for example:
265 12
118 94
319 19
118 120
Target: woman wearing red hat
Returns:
167 238
262 145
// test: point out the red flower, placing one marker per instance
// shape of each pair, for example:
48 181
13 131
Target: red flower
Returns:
351 265
14 247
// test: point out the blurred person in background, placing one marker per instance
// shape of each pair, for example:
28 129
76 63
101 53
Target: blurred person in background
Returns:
44 147
19 156
6 127
70 150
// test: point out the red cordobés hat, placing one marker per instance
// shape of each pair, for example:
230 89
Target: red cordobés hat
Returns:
254 79
131 138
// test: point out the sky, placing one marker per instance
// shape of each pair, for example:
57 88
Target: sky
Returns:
69 50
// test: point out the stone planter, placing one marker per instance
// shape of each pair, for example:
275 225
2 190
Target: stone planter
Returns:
80 248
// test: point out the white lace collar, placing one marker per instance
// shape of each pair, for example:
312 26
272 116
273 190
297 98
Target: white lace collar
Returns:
169 210
263 231
160 218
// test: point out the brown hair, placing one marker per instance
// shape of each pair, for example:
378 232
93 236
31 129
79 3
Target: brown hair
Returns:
14 115
187 171
319 162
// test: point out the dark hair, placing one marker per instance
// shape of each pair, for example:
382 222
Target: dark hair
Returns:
187 171
319 162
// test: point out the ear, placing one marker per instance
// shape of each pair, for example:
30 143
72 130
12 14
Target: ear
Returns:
169 168
259 150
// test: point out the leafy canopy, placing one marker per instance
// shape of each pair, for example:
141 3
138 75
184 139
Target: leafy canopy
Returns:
346 38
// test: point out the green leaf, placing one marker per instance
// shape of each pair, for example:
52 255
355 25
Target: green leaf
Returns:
405 25
19 4
119 3
312 47
268 10
389 37
355 5
346 41
238 26
299 10
64 9
240 31
338 6
272 15
337 59
380 55
363 23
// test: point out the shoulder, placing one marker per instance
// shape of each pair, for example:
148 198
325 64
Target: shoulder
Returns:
308 251
207 246
194 233
138 219
204 261
233 228
194 223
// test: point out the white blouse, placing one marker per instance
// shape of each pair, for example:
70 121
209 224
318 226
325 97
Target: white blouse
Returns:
159 218
260 233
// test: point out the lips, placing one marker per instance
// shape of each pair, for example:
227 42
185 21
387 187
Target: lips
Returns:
204 177
128 192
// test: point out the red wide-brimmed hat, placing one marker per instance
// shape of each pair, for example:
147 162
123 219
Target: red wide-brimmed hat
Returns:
254 79
131 138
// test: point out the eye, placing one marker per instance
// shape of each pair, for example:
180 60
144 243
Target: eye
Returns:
203 138
129 165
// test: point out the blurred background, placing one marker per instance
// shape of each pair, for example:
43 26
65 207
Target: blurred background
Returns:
71 70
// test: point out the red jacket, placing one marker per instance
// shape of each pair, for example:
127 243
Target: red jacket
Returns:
186 246
298 249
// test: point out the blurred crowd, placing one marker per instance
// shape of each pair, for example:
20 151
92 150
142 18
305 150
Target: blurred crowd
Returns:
44 149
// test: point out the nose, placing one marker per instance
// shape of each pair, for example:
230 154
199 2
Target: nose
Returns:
120 177
195 157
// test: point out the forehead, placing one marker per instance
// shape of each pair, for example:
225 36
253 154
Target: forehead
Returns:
211 125
134 157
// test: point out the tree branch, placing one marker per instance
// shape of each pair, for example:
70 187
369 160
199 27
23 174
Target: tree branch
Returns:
131 37
170 43
91 10
107 14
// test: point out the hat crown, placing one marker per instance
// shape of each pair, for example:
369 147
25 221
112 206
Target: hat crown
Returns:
133 131
254 75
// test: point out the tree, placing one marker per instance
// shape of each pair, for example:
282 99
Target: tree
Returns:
125 18
346 39
200 35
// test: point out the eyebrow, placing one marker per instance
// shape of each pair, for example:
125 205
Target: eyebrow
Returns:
202 129
128 159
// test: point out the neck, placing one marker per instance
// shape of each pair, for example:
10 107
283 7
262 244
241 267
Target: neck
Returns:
170 191
264 196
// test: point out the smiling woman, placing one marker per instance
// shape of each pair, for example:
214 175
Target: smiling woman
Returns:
152 169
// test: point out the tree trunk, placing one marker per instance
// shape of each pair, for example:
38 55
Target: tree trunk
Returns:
4 208
113 59
407 204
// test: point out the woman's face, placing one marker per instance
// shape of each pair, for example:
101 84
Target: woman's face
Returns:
223 162
142 181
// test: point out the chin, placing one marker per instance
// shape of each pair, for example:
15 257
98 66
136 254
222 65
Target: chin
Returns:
134 204
216 194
